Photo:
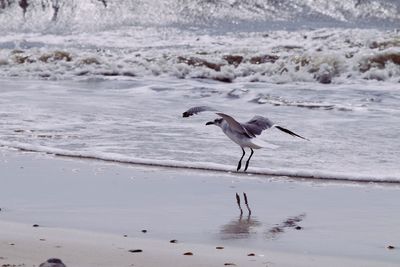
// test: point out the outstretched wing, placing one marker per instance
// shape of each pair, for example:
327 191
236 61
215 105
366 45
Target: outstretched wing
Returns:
235 125
257 124
195 110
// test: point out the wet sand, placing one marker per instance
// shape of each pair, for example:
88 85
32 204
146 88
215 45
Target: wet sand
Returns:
91 213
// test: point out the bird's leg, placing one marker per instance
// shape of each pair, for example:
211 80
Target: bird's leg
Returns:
240 161
247 203
247 162
238 202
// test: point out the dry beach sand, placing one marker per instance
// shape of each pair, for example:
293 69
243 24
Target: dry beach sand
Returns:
91 213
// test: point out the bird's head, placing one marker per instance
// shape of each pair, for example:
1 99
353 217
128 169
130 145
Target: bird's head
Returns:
216 122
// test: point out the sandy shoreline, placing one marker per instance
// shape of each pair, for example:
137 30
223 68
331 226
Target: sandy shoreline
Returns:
23 245
84 208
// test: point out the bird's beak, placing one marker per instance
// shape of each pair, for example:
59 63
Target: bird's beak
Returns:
210 123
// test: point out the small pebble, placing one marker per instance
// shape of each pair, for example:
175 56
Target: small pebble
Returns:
219 247
188 253
229 264
251 254
298 228
135 250
35 225
53 262
125 235
390 247
173 241
144 231
12 244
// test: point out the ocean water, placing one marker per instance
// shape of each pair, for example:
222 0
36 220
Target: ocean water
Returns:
110 79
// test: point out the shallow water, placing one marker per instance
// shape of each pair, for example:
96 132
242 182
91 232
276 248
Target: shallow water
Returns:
352 129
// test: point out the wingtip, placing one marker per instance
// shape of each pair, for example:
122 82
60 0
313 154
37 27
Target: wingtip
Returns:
289 132
305 138
302 137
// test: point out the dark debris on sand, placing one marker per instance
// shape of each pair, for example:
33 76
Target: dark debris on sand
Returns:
135 250
53 262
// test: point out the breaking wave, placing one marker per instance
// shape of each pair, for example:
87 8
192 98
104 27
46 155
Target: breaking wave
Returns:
323 56
252 40
53 15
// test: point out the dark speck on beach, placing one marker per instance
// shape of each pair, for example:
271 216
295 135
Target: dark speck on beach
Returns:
251 254
135 250
53 262
188 253
229 264
173 241
144 231
390 247
219 247
298 228
35 225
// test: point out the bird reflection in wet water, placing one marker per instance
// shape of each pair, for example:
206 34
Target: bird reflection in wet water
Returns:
290 222
246 226
240 227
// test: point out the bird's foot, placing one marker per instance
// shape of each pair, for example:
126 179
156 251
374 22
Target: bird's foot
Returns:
245 168
239 166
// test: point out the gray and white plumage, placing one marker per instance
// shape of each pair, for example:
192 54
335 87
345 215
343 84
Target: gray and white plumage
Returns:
240 133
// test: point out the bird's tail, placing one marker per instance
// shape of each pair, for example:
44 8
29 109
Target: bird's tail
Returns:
262 144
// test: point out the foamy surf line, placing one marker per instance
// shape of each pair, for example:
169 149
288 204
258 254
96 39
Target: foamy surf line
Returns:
110 157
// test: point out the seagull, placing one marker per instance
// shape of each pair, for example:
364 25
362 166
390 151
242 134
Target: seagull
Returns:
240 133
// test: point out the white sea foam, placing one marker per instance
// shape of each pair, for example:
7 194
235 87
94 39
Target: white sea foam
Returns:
298 174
